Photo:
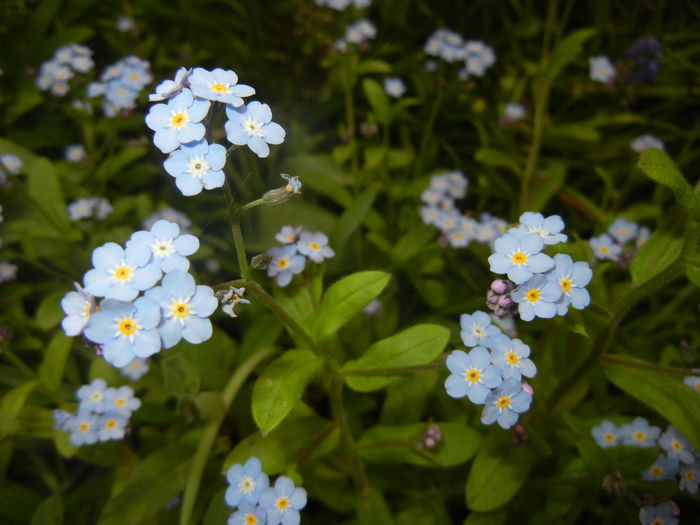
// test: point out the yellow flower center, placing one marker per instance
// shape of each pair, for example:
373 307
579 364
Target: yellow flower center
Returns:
123 273
533 295
282 503
95 397
512 358
134 76
314 246
178 120
135 365
610 438
697 385
84 426
503 402
86 311
676 445
690 475
218 88
622 232
246 485
640 436
250 519
604 249
127 326
120 402
656 471
111 423
473 375
519 258
282 263
565 284
180 310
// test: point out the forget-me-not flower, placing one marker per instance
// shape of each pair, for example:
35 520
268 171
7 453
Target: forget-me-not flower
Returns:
111 426
662 468
572 278
83 428
283 502
219 85
520 257
314 246
78 306
169 88
289 234
689 478
623 230
121 401
661 514
477 329
177 122
511 357
677 446
606 434
693 382
514 112
473 375
506 403
394 87
601 69
644 142
92 396
10 163
639 433
167 247
248 514
285 263
251 125
247 482
136 369
548 228
537 298
605 248
75 153
197 165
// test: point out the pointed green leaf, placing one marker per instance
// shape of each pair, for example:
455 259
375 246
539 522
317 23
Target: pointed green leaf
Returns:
353 216
45 190
377 99
659 251
51 368
49 511
566 50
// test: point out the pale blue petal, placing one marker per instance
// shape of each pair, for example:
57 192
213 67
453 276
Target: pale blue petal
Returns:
97 282
190 132
532 243
456 386
519 274
170 331
580 298
545 310
526 311
198 111
166 140
118 352
214 179
489 415
186 244
174 262
107 255
146 277
499 263
188 185
147 312
203 302
480 357
507 419
216 157
258 146
146 344
477 393
507 244
164 229
540 263
274 133
582 274
197 330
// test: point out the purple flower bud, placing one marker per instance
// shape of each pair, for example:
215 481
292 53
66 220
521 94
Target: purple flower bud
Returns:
499 286
492 297
429 442
504 301
527 388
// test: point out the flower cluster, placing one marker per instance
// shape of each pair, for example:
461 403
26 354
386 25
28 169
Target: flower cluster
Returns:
601 69
440 210
491 373
681 459
120 84
647 141
89 207
257 502
54 74
451 47
394 87
179 129
342 5
539 285
298 245
615 245
103 413
127 324
10 164
662 514
356 33
643 60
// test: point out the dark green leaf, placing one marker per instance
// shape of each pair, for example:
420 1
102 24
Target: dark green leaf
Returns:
566 50
353 216
54 362
49 511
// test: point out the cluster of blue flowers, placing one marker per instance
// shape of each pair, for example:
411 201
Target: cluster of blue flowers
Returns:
179 129
298 245
10 164
356 33
451 47
89 207
127 324
622 240
120 84
681 462
539 285
103 413
54 74
257 502
647 141
440 210
342 5
491 373
642 60
662 514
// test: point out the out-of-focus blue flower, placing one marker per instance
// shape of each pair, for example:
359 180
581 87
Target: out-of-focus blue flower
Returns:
125 330
169 88
61 419
693 382
572 278
506 403
83 428
661 514
121 401
167 247
472 375
689 477
251 125
185 309
606 434
605 248
219 85
121 84
479 57
511 357
247 483
645 142
177 122
8 271
677 446
289 234
520 257
514 112
601 69
92 396
248 514
548 228
394 87
662 468
315 246
283 502
644 54
121 274
430 215
623 230
477 329
537 298
85 208
639 433
111 426
75 153
285 263
11 163
124 24
78 307
360 32
643 234
136 369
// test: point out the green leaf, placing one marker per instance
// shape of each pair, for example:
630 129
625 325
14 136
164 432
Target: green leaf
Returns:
487 518
545 185
582 131
658 252
353 216
498 472
373 66
45 190
497 158
49 511
377 99
410 244
345 298
54 362
49 312
566 50
657 165
417 345
371 509
281 386
179 375
402 444
669 396
321 174
14 400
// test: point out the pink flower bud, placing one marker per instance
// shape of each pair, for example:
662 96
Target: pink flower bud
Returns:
504 301
528 388
499 286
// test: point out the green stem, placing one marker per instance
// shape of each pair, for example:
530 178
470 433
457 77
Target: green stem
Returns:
669 370
249 206
541 98
236 229
210 432
427 130
393 371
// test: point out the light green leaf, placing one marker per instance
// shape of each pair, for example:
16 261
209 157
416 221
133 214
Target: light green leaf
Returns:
54 362
545 185
49 312
416 345
377 99
49 511
45 190
179 375
14 400
373 66
353 216
371 509
659 251
345 298
497 517
498 472
582 131
497 158
567 50
281 386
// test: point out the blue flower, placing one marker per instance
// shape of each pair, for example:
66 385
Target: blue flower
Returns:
285 263
506 403
661 514
549 229
644 142
197 165
477 329
166 246
248 514
247 482
514 112
473 375
121 401
169 88
283 502
185 309
693 382
677 446
571 277
689 477
601 69
78 307
394 87
92 396
75 153
61 419
251 125
643 234
639 433
606 434
219 85
605 248
314 246
623 230
136 369
178 121
662 468
111 426
231 298
83 428
125 329
520 257
536 298
10 163
289 234
510 356
120 274
479 57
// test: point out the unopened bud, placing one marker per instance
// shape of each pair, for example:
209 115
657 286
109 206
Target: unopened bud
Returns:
499 286
260 261
504 300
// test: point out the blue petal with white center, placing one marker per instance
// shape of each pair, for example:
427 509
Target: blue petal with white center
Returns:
177 122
